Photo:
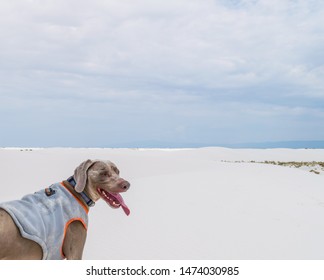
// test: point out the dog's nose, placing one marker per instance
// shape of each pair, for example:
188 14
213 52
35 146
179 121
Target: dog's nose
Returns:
124 185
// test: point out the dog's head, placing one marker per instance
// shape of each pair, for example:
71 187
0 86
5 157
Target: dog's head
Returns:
100 179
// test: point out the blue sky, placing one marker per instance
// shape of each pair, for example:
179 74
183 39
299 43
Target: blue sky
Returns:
113 73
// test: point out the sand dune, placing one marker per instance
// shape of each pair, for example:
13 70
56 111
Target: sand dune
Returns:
209 203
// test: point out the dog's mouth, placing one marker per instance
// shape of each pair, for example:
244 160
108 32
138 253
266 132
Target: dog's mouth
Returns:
114 200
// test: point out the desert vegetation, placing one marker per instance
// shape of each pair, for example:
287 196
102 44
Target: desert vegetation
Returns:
316 167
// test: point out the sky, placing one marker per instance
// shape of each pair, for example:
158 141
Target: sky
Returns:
127 73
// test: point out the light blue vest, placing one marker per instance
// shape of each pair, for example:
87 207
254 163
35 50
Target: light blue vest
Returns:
44 218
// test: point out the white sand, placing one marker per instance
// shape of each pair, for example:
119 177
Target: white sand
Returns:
190 203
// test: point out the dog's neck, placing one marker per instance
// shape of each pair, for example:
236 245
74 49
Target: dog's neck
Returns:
83 195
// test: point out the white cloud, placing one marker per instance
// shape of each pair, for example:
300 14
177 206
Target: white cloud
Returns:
148 57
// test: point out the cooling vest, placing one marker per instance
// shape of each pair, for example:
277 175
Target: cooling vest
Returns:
45 215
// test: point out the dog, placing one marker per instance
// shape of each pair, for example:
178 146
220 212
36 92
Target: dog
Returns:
52 223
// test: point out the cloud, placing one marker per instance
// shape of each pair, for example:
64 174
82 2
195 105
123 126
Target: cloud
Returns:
173 64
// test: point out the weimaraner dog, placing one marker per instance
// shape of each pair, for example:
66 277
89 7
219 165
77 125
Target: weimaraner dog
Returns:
52 223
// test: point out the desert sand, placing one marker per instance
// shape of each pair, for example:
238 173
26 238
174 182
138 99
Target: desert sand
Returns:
207 203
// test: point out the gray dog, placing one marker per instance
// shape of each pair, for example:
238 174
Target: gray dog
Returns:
52 223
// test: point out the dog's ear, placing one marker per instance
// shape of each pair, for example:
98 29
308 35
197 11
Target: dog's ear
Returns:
81 174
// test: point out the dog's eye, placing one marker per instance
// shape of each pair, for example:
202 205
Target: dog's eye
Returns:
104 173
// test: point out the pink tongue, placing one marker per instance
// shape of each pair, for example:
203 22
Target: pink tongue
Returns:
121 201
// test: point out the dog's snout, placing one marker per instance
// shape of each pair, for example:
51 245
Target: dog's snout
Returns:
124 185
